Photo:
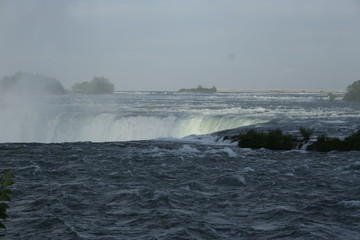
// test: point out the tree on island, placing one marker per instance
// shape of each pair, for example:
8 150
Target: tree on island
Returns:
23 83
199 89
353 92
98 85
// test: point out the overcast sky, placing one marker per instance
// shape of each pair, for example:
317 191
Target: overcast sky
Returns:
172 44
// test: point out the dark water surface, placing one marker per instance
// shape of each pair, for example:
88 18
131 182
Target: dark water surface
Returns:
179 190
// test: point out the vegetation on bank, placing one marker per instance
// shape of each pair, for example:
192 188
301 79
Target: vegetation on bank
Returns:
5 182
306 133
274 139
199 89
98 85
23 83
353 92
327 144
277 140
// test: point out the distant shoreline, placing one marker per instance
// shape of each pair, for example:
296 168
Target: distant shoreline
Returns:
284 90
252 90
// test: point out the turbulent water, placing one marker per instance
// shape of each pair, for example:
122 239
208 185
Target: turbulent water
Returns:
152 165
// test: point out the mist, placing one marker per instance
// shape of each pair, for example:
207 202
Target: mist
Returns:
168 45
19 119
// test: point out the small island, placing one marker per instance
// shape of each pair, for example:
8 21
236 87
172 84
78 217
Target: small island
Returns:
98 85
23 83
199 89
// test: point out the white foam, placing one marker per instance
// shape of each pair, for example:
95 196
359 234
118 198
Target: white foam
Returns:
205 139
225 150
187 149
230 152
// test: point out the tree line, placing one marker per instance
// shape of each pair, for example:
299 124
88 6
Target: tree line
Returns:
22 83
34 84
98 85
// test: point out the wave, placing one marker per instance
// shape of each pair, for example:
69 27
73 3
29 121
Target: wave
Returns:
105 127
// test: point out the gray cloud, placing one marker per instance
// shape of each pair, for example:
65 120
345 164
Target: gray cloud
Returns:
171 44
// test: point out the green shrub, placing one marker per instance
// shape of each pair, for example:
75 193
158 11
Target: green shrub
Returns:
306 133
353 141
277 140
5 181
327 144
350 143
274 140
